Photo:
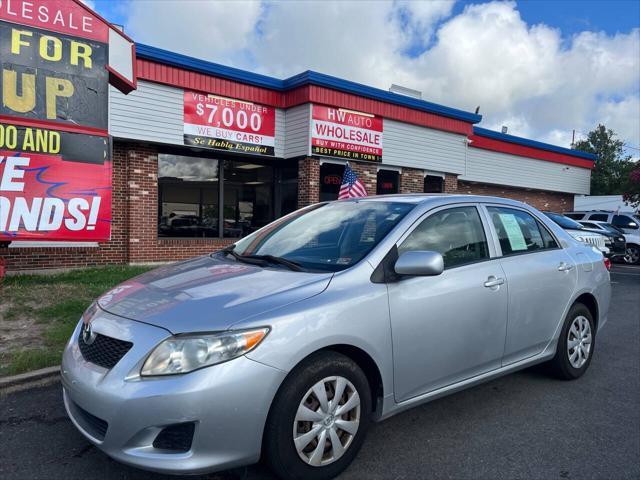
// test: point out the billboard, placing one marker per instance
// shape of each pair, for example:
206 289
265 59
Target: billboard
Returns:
341 133
55 164
227 124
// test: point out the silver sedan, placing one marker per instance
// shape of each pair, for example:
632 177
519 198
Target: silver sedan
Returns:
289 343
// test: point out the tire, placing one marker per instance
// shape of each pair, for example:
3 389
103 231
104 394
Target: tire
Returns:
280 451
571 363
632 256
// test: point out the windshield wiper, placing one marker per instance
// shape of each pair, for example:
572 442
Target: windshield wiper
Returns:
241 258
262 260
291 265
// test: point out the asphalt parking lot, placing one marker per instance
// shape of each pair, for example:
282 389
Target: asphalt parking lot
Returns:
526 425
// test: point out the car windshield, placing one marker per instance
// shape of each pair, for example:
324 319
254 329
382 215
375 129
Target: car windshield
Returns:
326 237
564 222
611 228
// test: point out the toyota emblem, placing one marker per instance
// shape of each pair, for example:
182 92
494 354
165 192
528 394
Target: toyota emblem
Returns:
88 336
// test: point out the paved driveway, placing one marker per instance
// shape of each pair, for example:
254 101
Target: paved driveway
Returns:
525 425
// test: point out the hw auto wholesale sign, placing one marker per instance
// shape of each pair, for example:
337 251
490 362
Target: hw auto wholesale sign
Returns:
55 167
336 132
227 124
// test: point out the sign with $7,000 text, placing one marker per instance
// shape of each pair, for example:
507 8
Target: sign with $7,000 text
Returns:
227 124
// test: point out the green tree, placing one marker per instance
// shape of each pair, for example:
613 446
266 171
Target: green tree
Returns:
613 166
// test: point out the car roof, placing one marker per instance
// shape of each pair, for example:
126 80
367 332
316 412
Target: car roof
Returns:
438 198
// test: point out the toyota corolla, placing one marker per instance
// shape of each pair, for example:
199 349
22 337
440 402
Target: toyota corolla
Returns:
289 343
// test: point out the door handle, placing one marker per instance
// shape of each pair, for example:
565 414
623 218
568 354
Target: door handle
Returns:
493 282
564 267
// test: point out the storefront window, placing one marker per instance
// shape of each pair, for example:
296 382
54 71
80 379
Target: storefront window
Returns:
388 182
187 196
330 180
254 194
248 197
287 194
433 184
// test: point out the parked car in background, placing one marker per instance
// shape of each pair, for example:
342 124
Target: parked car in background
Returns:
632 240
614 237
580 233
629 222
289 343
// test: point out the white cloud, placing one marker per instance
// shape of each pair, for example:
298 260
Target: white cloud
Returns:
528 77
217 31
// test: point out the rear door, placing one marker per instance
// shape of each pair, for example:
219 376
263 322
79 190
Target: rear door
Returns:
541 278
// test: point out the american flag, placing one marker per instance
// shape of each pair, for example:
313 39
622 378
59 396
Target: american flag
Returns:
351 187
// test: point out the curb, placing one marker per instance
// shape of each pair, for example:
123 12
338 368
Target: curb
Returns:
25 381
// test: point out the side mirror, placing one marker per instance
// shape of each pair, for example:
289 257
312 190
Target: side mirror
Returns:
419 263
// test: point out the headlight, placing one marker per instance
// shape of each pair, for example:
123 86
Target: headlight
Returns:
579 238
185 353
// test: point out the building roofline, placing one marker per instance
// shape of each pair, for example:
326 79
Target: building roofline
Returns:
305 78
504 137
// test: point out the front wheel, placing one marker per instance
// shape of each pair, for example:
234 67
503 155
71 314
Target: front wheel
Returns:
319 418
575 345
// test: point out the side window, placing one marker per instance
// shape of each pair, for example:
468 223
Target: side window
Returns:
547 238
456 233
623 221
599 217
575 216
519 232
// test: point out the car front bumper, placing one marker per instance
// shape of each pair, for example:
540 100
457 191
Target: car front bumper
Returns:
228 404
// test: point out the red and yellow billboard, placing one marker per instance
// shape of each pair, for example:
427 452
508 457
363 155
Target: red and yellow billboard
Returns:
55 165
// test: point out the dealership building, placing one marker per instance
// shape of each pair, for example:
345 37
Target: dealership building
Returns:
203 154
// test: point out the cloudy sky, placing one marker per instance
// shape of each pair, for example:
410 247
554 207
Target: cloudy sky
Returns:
543 68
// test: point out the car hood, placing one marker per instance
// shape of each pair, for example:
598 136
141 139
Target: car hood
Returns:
209 294
582 233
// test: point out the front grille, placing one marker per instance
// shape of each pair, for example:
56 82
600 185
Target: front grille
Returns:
176 437
104 351
595 241
95 426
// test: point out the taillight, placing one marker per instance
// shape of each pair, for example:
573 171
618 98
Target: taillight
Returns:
607 263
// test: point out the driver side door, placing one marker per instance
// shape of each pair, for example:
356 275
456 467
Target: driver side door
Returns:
449 327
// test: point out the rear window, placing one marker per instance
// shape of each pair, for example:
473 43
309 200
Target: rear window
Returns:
519 232
563 221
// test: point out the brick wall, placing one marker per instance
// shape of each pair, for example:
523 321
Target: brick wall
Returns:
451 183
540 199
308 182
411 180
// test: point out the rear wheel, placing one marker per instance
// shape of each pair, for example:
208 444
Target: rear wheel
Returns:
575 345
319 418
632 257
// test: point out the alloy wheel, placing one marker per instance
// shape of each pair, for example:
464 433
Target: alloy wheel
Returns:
579 341
327 421
632 256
